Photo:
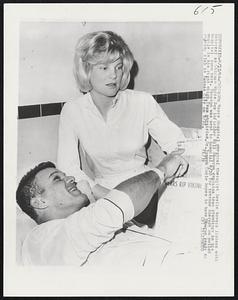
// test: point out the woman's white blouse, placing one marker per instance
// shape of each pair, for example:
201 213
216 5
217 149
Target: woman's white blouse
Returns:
114 149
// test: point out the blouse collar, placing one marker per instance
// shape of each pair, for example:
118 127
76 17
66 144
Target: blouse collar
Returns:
90 102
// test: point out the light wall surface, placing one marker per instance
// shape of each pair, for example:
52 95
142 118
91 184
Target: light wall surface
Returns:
184 113
37 142
168 55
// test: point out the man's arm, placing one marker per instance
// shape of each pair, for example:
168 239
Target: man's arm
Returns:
97 223
141 188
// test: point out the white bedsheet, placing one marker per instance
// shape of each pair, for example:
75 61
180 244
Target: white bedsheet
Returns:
177 223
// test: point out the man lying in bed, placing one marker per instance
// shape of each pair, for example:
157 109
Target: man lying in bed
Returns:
72 231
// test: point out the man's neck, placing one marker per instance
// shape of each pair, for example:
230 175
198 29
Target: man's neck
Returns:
54 214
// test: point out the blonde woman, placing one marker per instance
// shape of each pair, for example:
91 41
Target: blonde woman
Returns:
111 123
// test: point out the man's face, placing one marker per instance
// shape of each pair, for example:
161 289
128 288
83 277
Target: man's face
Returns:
60 191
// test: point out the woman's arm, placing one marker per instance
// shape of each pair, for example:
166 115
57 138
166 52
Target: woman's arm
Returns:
68 156
166 133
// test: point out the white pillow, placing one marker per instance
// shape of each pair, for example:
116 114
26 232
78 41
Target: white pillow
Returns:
24 224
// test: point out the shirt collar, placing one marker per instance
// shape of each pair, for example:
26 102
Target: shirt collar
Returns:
90 103
115 100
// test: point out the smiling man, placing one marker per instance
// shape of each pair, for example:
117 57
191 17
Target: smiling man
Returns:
72 231
62 195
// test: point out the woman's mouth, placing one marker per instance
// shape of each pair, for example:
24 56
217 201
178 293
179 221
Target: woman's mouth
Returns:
111 85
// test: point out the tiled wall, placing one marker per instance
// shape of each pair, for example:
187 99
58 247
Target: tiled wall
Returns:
39 110
42 110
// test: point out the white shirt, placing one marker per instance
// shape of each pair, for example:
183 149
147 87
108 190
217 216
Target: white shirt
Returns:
114 149
87 237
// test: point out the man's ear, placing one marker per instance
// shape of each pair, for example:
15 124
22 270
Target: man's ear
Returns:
39 202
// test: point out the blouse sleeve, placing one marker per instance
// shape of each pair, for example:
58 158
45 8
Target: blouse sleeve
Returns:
166 133
68 156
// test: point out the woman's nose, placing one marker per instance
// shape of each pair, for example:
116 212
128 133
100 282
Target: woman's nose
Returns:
112 73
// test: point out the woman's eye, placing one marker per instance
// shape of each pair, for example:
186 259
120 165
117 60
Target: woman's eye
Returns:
119 67
57 178
102 67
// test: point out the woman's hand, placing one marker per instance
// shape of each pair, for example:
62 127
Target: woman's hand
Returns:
99 191
85 188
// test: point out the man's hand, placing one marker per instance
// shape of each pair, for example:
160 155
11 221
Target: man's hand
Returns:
173 165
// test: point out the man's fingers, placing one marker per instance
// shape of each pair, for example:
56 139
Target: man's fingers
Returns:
181 170
169 179
174 164
183 167
178 152
177 172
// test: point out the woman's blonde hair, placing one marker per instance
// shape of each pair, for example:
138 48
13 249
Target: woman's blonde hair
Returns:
100 47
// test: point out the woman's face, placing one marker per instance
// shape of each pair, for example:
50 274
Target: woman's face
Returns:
106 78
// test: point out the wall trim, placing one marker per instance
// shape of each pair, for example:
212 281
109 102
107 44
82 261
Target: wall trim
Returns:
50 109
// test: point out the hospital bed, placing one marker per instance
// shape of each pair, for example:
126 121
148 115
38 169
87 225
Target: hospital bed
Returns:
179 208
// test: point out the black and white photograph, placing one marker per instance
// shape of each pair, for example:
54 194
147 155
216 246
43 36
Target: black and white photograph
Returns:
117 155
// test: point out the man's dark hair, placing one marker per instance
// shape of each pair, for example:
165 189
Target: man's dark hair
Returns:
28 189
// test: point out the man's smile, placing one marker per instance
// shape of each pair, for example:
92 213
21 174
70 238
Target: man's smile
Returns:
72 187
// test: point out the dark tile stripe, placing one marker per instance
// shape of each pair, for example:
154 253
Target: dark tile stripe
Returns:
173 97
192 95
161 98
49 109
178 96
182 96
29 111
199 94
